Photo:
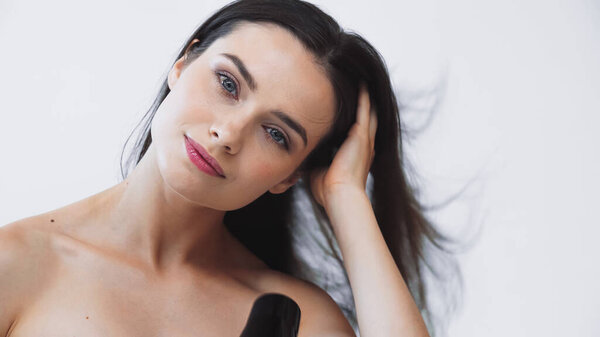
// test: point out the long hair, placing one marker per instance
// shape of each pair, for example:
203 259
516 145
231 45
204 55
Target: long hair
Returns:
266 225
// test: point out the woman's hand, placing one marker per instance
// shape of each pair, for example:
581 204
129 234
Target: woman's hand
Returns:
352 162
384 304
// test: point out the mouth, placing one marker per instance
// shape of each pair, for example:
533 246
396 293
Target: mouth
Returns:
205 157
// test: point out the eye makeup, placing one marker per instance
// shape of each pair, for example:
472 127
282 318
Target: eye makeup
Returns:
229 88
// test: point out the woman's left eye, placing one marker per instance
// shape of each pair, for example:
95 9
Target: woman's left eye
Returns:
278 137
228 84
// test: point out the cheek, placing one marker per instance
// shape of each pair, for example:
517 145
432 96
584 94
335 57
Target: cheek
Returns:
267 173
265 170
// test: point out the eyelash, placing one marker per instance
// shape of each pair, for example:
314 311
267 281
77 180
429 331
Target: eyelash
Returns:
228 93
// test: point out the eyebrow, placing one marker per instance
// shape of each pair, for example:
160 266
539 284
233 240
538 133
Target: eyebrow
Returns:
242 68
291 123
252 84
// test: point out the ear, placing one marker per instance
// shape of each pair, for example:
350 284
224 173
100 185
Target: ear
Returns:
177 68
286 183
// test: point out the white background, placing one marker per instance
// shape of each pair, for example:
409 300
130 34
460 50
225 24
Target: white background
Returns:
519 112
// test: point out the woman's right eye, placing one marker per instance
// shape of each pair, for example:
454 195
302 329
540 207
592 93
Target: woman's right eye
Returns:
228 84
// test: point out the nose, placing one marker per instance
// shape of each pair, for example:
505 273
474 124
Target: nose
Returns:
227 133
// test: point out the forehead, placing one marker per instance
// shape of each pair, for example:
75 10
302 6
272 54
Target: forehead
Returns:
286 74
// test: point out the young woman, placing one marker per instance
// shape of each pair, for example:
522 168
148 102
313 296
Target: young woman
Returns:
264 98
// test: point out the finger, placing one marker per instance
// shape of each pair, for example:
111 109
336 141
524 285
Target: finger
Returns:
363 107
373 126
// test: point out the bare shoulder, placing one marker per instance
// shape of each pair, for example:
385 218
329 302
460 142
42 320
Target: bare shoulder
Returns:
320 315
24 250
26 237
23 268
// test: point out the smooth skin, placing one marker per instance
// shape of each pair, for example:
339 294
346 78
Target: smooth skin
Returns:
150 256
384 305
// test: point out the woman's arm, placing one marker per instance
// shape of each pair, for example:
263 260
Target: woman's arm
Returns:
384 305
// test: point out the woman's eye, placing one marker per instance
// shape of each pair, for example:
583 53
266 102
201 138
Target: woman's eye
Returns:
228 84
277 136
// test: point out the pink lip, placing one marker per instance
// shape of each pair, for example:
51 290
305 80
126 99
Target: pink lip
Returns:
200 157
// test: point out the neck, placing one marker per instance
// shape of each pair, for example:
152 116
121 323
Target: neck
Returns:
153 223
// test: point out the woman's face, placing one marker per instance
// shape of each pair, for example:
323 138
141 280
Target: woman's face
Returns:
237 120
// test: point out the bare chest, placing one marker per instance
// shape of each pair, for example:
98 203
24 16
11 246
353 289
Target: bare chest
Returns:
85 296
